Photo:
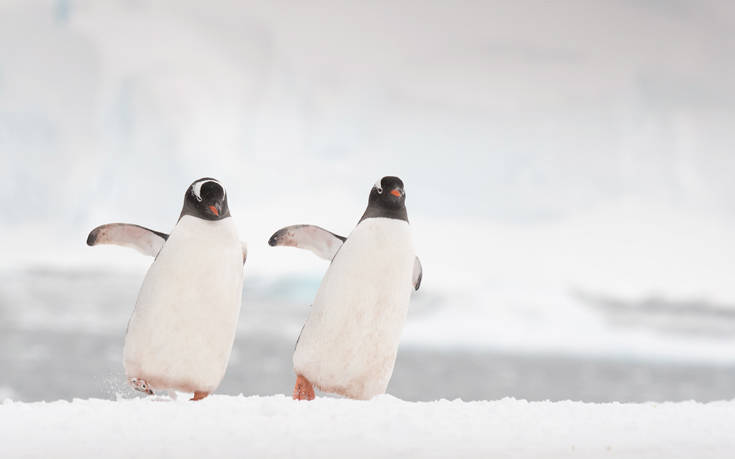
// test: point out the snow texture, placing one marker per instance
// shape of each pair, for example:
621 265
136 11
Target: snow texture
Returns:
226 426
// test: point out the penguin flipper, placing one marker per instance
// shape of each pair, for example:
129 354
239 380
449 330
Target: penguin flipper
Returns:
244 252
321 242
144 240
418 273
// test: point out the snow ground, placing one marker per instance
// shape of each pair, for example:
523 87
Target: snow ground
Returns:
237 426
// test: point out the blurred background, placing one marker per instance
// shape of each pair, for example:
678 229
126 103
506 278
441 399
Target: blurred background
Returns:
569 172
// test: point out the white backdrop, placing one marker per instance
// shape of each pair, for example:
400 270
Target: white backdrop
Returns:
548 148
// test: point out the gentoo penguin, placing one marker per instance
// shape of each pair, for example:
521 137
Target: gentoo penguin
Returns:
349 342
182 329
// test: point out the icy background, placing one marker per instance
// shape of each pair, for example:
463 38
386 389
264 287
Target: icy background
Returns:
568 168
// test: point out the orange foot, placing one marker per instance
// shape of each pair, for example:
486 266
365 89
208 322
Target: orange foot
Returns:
140 385
303 390
199 396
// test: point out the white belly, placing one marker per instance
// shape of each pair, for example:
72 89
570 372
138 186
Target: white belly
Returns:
182 330
350 340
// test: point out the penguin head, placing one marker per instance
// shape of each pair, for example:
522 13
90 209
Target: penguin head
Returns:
388 193
206 198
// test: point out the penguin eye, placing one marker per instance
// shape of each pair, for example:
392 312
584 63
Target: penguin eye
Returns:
378 187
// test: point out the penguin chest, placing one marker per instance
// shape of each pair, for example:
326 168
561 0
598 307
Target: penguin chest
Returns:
182 330
349 342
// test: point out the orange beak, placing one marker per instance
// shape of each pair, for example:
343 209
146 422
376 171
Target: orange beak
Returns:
396 192
214 210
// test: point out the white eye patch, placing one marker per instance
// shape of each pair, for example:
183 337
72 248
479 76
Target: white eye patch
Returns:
196 189
378 185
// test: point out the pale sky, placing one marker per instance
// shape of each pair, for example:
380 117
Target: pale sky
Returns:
510 111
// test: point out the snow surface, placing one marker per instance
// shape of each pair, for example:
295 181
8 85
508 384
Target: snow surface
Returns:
276 426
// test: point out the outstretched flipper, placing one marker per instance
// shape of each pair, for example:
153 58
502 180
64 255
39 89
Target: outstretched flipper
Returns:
418 273
321 242
144 240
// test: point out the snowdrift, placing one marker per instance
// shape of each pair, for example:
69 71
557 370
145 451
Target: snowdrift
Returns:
275 426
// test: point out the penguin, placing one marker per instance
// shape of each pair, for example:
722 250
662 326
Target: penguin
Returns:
183 326
349 342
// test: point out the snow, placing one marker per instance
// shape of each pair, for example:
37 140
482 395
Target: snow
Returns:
549 160
276 426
